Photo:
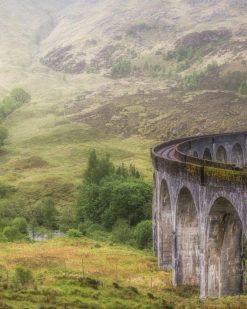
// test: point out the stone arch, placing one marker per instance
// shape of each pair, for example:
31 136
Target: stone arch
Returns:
187 240
221 154
237 155
166 236
207 155
195 154
224 249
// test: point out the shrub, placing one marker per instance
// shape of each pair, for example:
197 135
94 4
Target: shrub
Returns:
11 233
130 200
21 224
121 69
121 232
143 234
185 54
195 80
89 282
84 226
23 276
20 96
73 233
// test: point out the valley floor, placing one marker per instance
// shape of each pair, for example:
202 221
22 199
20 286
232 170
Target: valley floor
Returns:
82 273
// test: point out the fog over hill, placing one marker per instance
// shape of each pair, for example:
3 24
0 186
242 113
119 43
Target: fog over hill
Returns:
118 75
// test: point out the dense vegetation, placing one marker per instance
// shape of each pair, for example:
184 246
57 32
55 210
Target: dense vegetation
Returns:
196 79
117 200
113 202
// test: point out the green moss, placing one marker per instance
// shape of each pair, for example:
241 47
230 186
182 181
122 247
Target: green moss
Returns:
193 169
223 174
213 172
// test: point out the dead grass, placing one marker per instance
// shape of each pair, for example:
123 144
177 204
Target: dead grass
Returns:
128 266
82 272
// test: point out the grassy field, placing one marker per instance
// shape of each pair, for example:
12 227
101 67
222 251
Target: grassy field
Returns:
81 273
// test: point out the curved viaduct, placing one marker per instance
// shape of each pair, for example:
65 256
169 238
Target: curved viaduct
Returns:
200 211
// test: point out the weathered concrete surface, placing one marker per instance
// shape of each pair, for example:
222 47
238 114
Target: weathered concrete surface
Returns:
200 211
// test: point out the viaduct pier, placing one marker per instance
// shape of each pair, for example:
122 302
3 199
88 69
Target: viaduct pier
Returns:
200 211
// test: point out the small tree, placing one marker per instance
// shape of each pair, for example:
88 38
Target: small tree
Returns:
97 168
20 96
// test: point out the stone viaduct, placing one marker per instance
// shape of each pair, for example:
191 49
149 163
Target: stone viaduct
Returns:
200 211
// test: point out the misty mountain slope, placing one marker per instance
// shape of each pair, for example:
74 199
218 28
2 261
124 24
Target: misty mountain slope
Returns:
88 55
22 24
117 76
92 35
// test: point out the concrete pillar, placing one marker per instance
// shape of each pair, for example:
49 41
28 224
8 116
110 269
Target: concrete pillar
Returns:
186 241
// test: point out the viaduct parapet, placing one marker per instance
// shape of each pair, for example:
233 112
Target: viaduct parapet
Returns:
200 211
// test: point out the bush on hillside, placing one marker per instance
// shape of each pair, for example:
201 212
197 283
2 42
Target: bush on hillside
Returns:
196 79
129 199
120 69
21 224
73 233
11 233
10 103
121 232
20 96
143 234
23 276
